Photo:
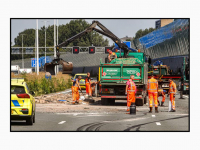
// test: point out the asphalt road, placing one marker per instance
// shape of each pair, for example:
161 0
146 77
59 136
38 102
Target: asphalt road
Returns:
122 121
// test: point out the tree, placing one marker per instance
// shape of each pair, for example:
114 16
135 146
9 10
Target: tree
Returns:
65 31
141 32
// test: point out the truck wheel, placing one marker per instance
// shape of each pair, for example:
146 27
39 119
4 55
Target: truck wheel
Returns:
145 100
139 102
104 101
112 101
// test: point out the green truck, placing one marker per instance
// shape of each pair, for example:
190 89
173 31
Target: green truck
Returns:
114 75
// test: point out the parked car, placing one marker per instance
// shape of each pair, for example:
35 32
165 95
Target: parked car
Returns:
22 102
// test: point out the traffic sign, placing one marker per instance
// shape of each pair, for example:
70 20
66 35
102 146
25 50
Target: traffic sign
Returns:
34 62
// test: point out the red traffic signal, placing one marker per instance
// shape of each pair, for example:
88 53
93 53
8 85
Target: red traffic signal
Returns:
75 50
107 49
91 50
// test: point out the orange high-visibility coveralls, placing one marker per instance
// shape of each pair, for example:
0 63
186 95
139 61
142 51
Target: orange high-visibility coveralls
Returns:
92 88
152 87
160 92
172 91
88 86
131 94
75 92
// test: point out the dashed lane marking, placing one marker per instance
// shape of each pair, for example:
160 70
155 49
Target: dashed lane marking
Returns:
158 123
61 122
153 115
185 96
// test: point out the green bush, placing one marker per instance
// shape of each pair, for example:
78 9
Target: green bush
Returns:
46 86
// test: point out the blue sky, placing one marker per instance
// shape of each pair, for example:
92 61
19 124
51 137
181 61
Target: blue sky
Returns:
120 27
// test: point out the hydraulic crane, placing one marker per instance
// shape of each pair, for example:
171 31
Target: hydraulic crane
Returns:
68 66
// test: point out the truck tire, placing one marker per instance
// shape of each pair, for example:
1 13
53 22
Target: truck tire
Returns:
111 101
145 99
104 101
139 102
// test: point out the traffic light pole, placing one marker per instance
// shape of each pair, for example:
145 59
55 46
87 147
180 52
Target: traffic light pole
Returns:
55 44
22 52
37 48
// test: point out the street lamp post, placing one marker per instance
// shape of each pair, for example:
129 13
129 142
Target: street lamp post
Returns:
22 51
45 38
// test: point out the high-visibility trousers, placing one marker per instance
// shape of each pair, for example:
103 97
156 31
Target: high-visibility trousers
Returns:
75 94
88 88
130 98
163 97
172 99
72 90
92 89
153 96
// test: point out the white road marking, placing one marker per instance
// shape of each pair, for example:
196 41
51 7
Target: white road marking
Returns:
61 122
185 96
153 115
158 123
180 114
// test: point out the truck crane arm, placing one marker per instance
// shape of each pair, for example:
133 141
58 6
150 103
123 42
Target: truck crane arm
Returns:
105 32
68 66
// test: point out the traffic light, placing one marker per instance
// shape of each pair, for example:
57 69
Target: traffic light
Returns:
91 50
75 50
107 49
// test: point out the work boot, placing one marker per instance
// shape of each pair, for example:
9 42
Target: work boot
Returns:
172 110
156 109
150 111
162 103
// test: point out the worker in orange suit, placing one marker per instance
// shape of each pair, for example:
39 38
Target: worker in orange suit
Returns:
75 88
130 92
88 84
161 92
111 56
93 85
172 92
152 87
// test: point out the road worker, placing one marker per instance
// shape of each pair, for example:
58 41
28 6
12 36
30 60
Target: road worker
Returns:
130 92
88 84
152 87
75 88
161 92
93 85
111 56
172 92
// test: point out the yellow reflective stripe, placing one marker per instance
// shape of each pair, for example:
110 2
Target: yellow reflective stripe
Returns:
21 103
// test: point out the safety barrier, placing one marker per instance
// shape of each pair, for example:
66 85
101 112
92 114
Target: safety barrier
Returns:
170 40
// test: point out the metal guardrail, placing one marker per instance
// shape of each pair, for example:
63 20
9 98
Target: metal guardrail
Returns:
67 50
